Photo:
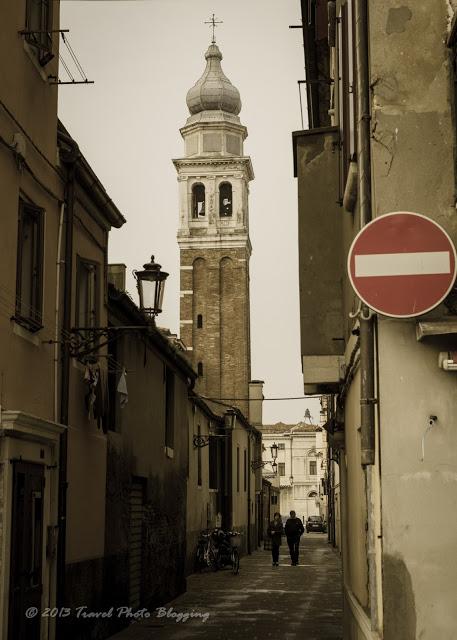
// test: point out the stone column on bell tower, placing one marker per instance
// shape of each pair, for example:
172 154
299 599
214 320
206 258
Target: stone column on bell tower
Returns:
213 237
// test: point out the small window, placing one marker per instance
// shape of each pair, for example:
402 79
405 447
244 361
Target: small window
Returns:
169 408
312 468
199 460
213 455
29 274
282 468
87 293
39 27
198 201
225 200
245 470
200 369
199 321
281 446
274 499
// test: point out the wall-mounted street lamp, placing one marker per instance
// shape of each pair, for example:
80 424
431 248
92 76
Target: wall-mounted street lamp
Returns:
257 464
84 341
203 441
150 283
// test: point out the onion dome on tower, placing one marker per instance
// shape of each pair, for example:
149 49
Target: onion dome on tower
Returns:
213 91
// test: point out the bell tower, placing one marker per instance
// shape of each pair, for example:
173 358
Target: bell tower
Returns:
213 237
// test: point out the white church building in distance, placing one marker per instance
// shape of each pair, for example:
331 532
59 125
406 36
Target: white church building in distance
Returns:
301 467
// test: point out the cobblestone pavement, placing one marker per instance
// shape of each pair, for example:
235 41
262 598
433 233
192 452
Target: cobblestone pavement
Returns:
285 602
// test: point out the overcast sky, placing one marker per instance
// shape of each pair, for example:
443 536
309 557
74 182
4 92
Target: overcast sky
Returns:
144 55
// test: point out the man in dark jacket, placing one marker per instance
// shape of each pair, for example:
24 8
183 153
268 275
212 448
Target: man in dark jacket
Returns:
294 530
275 532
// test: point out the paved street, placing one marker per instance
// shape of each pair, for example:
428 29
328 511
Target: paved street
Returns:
261 602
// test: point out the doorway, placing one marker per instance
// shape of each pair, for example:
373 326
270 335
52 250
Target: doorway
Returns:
26 571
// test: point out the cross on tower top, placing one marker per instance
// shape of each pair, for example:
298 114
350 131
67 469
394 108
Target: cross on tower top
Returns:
213 22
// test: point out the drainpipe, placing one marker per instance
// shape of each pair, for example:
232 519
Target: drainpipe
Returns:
229 420
70 158
59 263
364 171
367 364
248 471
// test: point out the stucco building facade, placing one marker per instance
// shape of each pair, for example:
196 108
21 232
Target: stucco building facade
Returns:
399 574
302 458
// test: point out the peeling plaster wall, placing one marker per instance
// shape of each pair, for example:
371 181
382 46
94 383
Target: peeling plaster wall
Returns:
413 169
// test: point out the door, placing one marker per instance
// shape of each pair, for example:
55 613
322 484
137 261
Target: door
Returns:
136 542
26 581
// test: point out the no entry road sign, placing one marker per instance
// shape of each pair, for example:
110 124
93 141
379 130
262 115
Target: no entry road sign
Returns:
402 264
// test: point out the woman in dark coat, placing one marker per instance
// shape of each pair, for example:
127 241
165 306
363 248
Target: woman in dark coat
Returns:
276 531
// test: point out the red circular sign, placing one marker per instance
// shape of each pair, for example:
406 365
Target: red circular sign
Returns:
402 264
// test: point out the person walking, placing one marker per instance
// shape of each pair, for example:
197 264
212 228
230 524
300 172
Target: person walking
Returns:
275 532
294 530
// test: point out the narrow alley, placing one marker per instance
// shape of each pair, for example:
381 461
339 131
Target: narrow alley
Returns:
261 602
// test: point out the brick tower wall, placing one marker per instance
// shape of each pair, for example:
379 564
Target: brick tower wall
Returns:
215 285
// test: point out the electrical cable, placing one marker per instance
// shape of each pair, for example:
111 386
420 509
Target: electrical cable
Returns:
219 400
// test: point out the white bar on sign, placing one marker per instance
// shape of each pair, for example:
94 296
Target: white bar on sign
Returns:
402 264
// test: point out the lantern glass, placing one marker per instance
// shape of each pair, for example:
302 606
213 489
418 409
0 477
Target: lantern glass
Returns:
275 467
151 286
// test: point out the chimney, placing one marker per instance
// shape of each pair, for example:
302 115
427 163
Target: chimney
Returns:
256 402
116 275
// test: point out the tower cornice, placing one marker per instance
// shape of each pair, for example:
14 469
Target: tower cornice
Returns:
235 163
229 241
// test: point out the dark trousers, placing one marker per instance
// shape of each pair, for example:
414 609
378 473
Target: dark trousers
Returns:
294 544
275 551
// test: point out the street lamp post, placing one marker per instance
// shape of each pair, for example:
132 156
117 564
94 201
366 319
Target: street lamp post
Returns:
151 284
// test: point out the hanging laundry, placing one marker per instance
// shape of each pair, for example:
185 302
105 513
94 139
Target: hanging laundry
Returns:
91 377
122 389
97 397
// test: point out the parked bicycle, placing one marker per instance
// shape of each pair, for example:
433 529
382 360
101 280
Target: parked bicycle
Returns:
218 548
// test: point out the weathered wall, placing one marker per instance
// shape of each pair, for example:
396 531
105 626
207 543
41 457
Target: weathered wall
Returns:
137 450
419 575
413 169
32 105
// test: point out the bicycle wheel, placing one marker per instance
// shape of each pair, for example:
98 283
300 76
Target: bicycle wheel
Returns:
235 561
199 558
212 559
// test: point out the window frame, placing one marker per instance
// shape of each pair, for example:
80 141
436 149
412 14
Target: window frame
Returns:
40 38
281 466
32 320
312 465
83 263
